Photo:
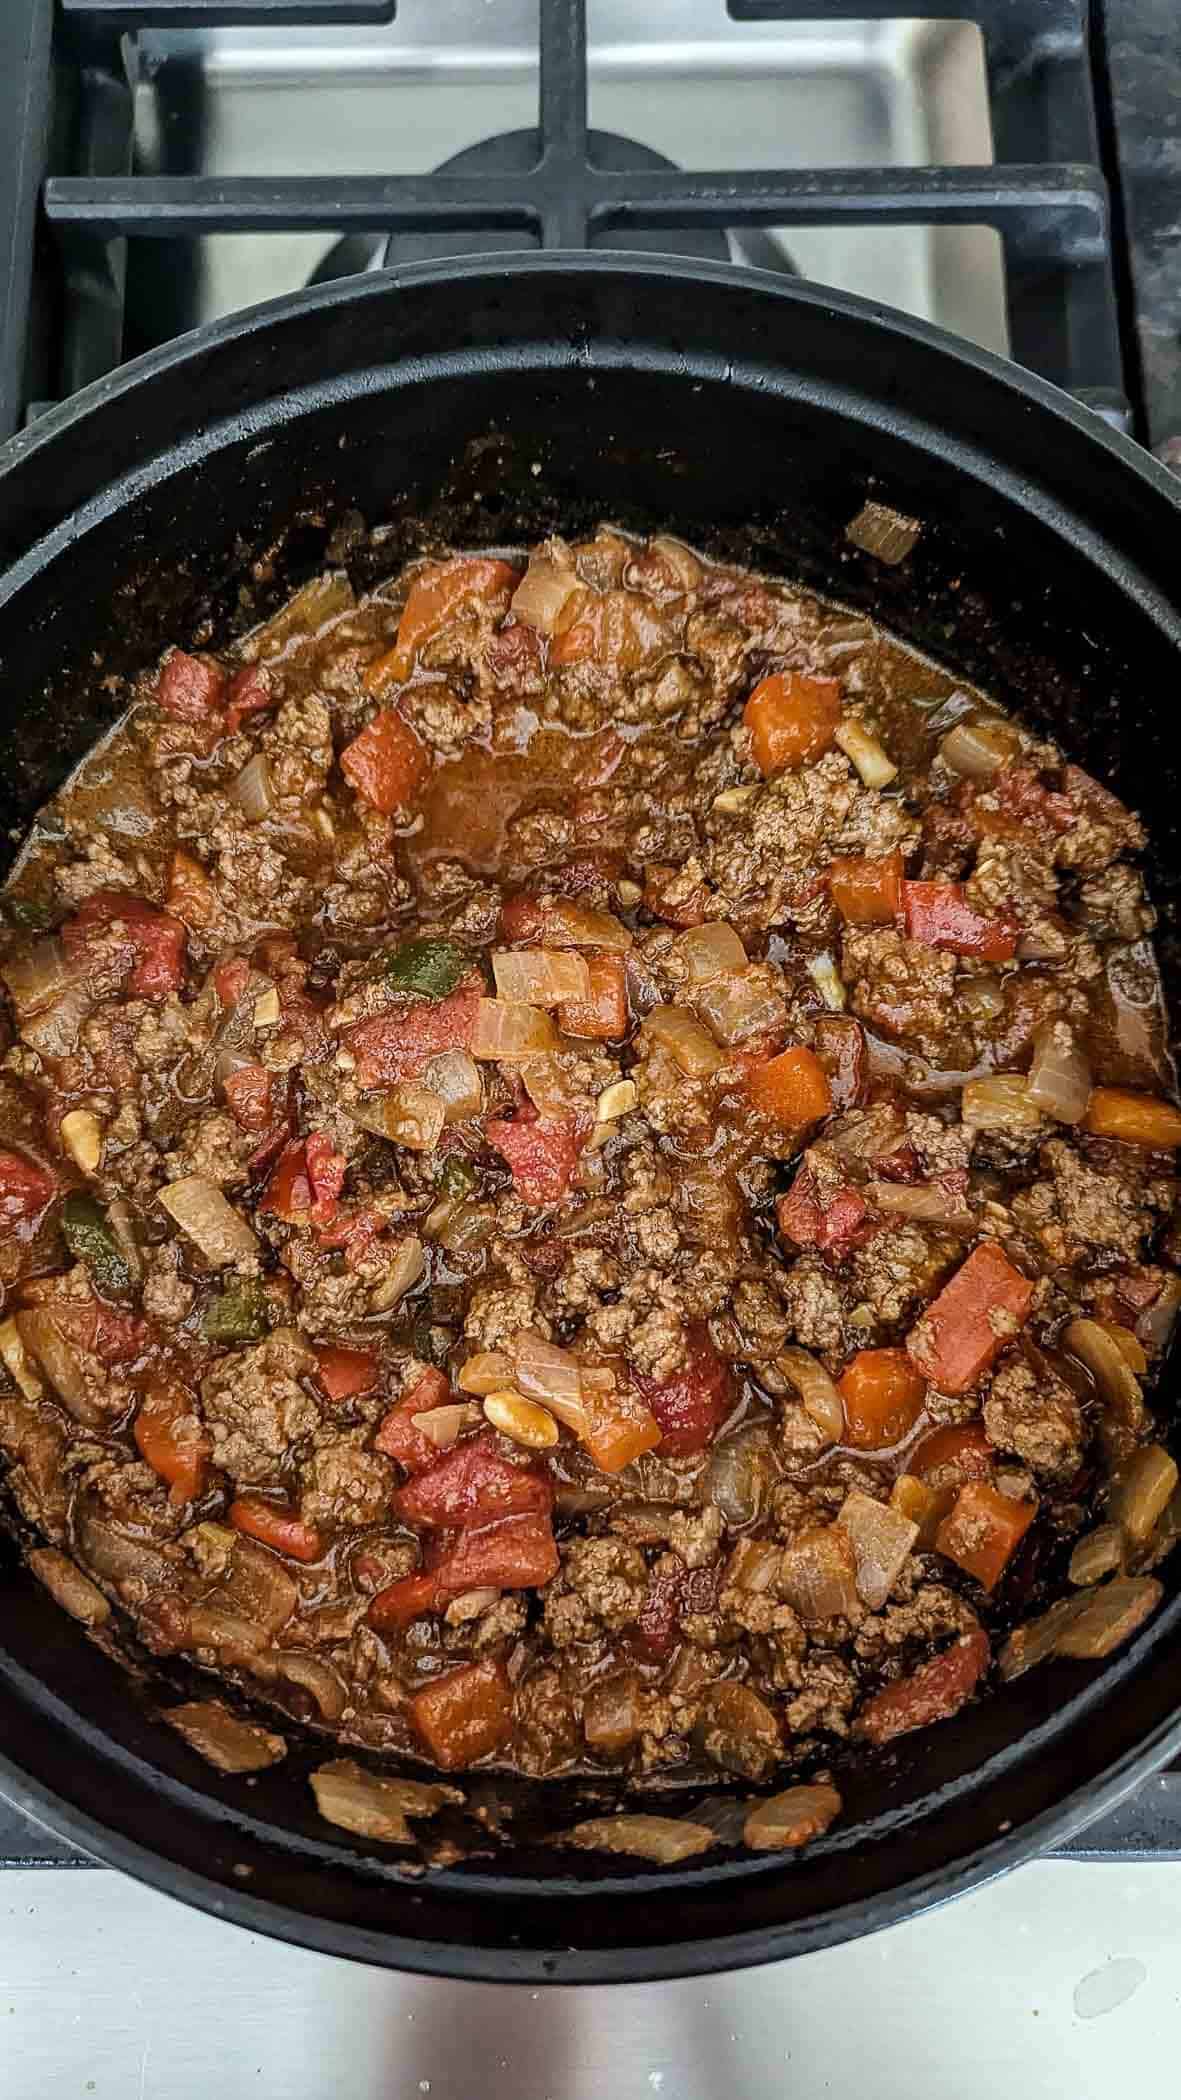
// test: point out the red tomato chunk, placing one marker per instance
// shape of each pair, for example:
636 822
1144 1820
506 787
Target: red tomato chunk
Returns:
936 1690
939 915
691 1406
974 1317
473 1485
396 1045
543 1156
25 1189
156 942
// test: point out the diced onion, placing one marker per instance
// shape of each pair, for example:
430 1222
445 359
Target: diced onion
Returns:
1155 1325
511 1031
1141 1490
486 1372
883 532
454 1078
468 1229
882 1541
53 1032
17 1362
44 1340
616 1101
223 1739
544 592
822 1402
1060 1076
577 925
322 599
254 789
983 996
740 1476
1034 1642
754 1563
375 1807
740 1005
977 750
1109 1616
1001 1103
82 1136
684 566
69 1587
442 1425
690 1046
660 1839
828 981
37 975
546 1372
553 1090
611 1714
309 1672
539 976
872 760
792 1818
818 1575
414 1117
929 1205
1099 1554
201 1211
1108 1365
710 951
405 1270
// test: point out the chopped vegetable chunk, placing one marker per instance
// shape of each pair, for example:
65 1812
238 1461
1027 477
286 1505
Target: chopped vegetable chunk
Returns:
974 1317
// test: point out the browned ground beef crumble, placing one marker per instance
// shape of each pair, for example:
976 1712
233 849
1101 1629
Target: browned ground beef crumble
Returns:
587 1178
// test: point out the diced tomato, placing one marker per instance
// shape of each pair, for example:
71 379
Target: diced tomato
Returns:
275 1527
517 1554
603 1014
25 1189
387 763
933 1692
396 1045
514 658
883 1398
156 941
841 1050
397 1435
288 1193
464 1716
949 1456
542 1154
326 1169
100 1329
618 1427
939 915
250 691
983 1531
961 1335
344 1373
230 979
171 1440
353 1232
522 917
692 1405
867 892
1019 791
401 1602
248 1091
836 1228
792 719
791 1090
471 1484
189 688
191 895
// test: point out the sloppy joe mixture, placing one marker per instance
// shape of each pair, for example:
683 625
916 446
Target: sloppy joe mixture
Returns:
586 1182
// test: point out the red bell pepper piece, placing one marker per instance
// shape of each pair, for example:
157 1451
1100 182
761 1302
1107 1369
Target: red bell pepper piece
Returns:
189 688
230 979
603 1015
939 915
974 1317
691 1406
278 1528
387 763
983 1531
288 1193
171 1440
464 1716
472 1485
542 1154
100 1329
344 1373
933 1692
396 1045
401 1602
25 1189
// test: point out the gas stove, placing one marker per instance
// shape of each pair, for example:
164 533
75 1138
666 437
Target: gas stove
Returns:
1009 174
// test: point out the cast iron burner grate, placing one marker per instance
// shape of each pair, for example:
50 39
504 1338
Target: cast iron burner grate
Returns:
1046 197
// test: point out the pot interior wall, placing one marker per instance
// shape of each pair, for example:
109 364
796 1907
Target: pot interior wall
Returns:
488 410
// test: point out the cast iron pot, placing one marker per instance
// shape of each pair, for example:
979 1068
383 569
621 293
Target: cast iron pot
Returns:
485 403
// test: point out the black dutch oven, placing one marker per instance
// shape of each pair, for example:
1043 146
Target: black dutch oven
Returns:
488 403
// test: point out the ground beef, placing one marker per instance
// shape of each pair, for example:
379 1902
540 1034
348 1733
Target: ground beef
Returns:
1091 1206
257 1409
345 1484
1033 1412
907 993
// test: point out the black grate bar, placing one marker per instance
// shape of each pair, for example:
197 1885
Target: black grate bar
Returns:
228 14
1045 213
561 115
24 120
